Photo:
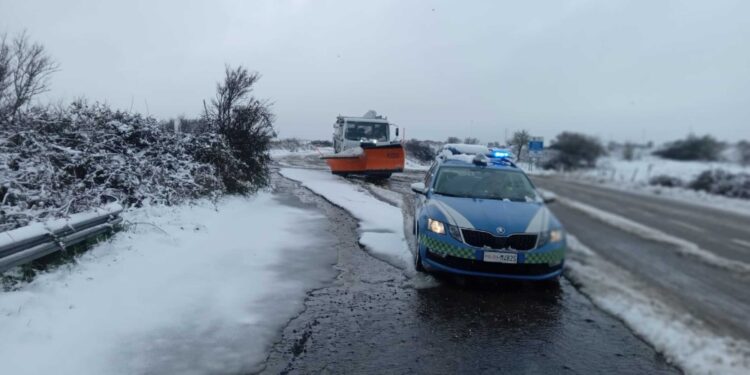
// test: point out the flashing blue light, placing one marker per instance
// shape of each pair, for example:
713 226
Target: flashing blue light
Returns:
500 154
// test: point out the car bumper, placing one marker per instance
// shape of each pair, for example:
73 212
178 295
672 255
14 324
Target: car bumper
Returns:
538 264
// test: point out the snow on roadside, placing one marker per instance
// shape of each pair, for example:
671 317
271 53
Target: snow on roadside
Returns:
415 165
641 170
381 225
189 290
683 246
278 153
633 176
684 340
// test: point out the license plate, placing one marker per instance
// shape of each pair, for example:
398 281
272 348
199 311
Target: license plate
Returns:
494 257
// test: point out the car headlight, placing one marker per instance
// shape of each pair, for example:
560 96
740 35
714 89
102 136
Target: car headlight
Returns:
435 226
551 236
556 235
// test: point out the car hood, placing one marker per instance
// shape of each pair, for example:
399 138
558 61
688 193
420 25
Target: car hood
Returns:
489 214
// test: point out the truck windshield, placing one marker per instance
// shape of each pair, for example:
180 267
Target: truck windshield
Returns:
484 183
356 131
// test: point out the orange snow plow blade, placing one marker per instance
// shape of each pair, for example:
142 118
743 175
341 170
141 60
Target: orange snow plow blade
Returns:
373 161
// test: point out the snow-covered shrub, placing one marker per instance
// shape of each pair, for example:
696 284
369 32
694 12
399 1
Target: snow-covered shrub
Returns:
743 152
721 182
666 180
321 143
60 161
419 150
692 148
574 150
471 141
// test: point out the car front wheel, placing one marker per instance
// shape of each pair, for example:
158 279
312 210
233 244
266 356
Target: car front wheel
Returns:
418 261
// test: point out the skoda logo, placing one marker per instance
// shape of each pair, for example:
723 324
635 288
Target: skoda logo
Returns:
500 230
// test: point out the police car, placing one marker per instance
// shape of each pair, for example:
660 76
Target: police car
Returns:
479 214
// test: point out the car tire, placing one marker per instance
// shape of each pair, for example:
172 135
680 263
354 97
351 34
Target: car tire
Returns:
418 261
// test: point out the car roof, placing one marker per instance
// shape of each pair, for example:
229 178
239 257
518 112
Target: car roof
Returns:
467 161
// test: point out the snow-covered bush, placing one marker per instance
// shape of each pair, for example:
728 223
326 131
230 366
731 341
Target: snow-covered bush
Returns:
60 161
321 143
692 148
743 152
721 182
419 150
666 180
573 151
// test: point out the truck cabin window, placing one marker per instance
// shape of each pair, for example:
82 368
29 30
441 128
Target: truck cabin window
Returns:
356 131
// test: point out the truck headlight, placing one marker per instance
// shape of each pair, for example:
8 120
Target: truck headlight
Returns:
435 226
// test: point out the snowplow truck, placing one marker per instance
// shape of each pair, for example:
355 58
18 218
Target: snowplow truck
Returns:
365 146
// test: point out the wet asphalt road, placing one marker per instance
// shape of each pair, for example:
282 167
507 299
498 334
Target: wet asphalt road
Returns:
719 297
375 319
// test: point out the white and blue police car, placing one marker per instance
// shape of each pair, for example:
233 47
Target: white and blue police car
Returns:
478 214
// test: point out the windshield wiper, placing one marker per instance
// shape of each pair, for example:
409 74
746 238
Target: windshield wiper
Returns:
451 195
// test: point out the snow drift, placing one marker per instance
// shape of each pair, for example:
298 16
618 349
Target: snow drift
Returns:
381 225
190 291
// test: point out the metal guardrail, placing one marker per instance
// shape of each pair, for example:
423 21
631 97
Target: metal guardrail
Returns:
23 245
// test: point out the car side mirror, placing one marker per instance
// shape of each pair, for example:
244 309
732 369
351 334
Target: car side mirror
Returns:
548 196
419 188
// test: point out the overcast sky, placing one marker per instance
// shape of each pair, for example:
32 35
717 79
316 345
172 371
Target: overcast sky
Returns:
620 70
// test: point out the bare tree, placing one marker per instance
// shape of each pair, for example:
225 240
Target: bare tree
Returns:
6 79
25 69
247 125
520 139
231 93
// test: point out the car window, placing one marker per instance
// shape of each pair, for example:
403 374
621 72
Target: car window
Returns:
484 183
429 175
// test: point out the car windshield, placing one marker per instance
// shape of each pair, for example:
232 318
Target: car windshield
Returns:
484 183
356 131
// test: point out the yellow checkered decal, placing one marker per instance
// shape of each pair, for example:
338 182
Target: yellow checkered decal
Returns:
442 248
550 257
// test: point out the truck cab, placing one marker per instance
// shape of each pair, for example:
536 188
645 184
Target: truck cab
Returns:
351 132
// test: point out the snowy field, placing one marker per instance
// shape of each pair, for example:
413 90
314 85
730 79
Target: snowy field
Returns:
683 339
633 176
381 225
190 290
619 170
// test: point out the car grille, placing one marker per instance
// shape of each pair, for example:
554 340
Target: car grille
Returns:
483 239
